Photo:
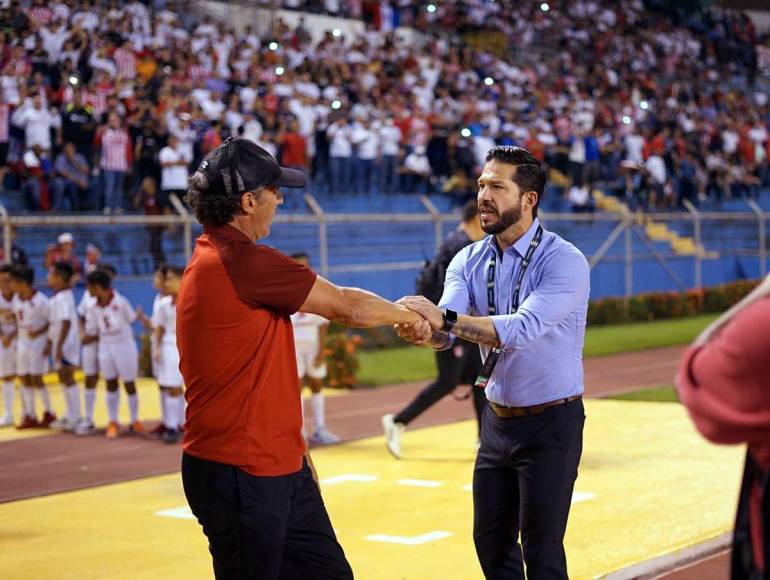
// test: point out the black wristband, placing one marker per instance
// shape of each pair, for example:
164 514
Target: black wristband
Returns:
450 318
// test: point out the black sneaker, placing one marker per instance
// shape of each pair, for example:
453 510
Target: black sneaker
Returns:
171 435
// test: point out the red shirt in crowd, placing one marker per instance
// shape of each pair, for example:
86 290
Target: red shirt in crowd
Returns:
294 152
236 348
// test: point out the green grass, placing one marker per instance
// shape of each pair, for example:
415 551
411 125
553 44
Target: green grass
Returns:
409 363
642 335
662 394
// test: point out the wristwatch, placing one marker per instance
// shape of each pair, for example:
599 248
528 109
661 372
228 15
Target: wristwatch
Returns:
450 318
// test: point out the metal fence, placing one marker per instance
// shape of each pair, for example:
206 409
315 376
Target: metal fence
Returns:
613 238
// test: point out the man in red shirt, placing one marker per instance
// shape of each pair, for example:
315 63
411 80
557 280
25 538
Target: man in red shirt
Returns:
247 475
724 381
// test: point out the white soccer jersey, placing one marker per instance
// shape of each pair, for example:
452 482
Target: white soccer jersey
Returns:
86 303
306 327
113 321
7 321
31 315
61 308
165 316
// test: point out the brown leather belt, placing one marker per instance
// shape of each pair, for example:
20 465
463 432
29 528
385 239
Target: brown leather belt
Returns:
503 411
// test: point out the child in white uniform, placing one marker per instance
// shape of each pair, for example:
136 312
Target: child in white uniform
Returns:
166 356
309 338
64 340
31 310
111 318
7 344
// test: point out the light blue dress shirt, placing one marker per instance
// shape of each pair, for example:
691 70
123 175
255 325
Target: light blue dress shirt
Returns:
542 343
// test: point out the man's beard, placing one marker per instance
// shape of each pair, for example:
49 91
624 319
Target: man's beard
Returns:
504 221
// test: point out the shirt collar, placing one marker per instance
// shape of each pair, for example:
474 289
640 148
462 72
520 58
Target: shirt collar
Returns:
228 232
522 244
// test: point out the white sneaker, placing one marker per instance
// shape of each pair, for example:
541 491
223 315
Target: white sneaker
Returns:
323 437
85 428
393 432
60 424
71 425
6 420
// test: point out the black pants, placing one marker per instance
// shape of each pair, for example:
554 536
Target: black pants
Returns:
456 365
522 483
263 527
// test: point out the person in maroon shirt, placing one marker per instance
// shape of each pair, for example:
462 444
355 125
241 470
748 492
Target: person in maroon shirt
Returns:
724 381
247 475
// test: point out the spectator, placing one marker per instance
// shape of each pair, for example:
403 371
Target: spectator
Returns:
390 142
37 172
417 170
293 147
71 181
174 160
366 141
63 251
146 198
37 122
116 158
5 134
79 125
92 260
340 155
147 145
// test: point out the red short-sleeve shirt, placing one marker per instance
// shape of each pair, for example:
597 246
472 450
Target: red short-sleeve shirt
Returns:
236 350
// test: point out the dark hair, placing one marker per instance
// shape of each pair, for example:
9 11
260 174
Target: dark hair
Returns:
110 269
64 270
99 277
529 175
470 211
210 209
6 269
23 274
174 270
161 269
300 256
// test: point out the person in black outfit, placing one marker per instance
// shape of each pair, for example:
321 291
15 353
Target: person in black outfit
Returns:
460 364
79 126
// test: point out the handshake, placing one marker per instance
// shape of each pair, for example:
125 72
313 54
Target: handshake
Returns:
427 320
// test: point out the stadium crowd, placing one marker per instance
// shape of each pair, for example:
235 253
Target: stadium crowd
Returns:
108 105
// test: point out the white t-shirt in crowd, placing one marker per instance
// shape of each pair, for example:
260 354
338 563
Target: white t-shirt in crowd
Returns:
173 177
366 143
306 327
390 139
340 145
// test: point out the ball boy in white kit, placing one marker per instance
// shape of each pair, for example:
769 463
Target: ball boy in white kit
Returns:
90 357
159 283
112 317
31 310
7 345
309 338
64 340
166 356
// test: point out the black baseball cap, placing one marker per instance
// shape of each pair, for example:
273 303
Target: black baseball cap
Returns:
249 166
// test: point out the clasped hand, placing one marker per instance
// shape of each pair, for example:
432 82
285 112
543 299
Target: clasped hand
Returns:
420 332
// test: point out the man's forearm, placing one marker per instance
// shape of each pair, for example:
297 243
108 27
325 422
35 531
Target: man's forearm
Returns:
476 329
367 310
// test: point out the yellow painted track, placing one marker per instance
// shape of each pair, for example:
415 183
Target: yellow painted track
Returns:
648 485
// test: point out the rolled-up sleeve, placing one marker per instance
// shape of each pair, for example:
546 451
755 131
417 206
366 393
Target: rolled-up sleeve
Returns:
564 288
456 294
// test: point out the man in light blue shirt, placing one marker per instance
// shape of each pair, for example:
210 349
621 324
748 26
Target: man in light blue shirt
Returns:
522 294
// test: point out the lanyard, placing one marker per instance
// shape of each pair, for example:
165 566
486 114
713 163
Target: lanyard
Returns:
494 354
